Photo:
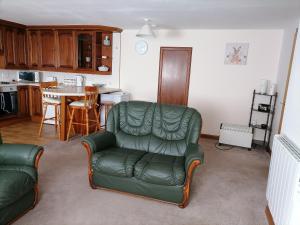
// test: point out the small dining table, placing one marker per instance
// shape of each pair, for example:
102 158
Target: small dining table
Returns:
71 91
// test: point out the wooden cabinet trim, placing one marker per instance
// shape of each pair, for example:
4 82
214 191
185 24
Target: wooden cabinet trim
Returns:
76 27
12 24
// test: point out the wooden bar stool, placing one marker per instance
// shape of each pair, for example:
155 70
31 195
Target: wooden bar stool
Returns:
85 106
106 106
53 101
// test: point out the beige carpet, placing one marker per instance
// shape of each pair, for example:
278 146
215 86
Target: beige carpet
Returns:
228 190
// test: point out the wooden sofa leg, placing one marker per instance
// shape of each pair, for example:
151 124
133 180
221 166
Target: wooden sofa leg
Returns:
36 188
90 170
187 186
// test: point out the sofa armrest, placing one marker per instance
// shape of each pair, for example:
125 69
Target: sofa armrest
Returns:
20 154
193 153
99 141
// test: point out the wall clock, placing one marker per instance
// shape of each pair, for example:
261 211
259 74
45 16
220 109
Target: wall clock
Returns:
141 47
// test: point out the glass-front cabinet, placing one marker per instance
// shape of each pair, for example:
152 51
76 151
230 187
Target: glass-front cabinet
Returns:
85 50
94 51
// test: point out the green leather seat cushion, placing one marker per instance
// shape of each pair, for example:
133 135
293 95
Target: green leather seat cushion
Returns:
160 169
116 161
13 185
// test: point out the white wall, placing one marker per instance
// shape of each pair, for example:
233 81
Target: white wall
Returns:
221 93
285 56
291 120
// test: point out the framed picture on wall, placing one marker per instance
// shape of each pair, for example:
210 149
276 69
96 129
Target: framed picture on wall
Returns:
236 53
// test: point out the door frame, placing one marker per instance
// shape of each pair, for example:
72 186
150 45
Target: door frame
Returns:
186 94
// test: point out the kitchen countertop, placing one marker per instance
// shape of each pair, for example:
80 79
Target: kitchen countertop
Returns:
62 90
20 84
75 91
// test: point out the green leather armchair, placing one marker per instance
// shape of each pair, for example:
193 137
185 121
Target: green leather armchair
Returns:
148 149
18 179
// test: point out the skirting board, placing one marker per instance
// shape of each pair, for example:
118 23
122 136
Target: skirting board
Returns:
210 136
269 216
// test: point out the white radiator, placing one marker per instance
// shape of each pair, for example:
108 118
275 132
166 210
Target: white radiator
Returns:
283 190
237 135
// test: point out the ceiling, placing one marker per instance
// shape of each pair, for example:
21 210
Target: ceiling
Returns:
167 14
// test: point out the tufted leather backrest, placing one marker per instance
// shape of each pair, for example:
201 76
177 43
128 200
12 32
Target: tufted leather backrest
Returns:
157 128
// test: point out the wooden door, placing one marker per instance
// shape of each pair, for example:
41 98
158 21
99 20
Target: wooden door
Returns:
47 49
66 49
174 75
23 101
21 57
10 48
33 49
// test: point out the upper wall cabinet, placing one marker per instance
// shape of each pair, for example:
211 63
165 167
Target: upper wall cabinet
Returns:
104 50
2 58
21 48
72 48
65 49
15 48
1 40
33 38
10 47
47 48
85 51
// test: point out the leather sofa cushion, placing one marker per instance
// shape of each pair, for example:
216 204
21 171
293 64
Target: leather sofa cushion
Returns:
116 161
160 169
13 185
124 140
171 125
136 118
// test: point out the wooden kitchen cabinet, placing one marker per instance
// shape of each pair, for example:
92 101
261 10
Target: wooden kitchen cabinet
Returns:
2 58
23 101
33 40
85 50
9 47
21 48
35 103
47 49
1 40
15 48
65 49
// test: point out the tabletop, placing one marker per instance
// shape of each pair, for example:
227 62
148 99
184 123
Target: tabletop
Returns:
75 91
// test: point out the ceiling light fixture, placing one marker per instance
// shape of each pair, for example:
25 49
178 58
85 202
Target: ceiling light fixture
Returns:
146 30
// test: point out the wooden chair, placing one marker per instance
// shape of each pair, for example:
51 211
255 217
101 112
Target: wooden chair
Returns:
85 106
50 100
106 106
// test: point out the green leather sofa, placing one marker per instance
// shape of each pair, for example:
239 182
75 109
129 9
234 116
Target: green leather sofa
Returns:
18 179
148 149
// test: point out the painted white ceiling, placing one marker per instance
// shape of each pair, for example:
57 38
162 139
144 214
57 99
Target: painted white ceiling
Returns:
129 14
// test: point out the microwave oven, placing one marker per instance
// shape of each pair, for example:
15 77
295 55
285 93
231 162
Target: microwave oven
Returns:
27 76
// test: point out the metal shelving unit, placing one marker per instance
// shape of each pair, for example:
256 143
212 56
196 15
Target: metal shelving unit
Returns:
269 118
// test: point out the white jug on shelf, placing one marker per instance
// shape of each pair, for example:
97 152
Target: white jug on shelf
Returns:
263 86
